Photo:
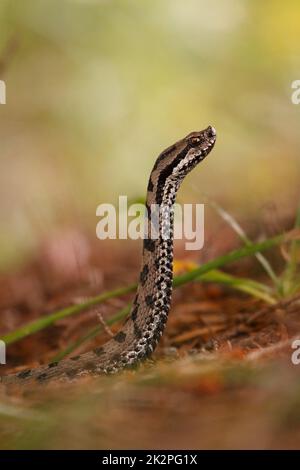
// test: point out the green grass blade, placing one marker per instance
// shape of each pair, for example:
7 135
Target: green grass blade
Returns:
230 257
243 236
256 289
48 320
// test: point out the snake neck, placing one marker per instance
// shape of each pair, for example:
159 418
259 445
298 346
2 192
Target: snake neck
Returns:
146 322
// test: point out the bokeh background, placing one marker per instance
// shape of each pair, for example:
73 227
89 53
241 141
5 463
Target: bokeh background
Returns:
97 88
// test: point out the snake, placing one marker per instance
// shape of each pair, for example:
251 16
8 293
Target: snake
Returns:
145 324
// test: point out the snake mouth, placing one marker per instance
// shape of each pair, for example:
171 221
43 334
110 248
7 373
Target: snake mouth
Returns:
207 148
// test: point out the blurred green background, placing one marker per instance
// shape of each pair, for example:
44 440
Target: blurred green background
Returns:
96 89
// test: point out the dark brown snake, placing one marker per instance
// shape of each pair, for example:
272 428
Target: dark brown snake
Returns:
146 322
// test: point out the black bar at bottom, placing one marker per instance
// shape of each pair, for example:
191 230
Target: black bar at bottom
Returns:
137 458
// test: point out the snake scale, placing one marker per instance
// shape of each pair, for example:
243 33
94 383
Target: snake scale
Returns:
145 324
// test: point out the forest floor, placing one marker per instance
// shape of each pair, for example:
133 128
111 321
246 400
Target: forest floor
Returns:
222 376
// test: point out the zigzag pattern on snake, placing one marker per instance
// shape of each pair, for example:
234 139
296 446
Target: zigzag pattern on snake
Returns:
145 324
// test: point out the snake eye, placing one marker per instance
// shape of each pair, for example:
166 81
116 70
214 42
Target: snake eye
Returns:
195 141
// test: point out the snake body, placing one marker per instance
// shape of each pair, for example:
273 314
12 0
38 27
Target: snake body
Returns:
146 322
